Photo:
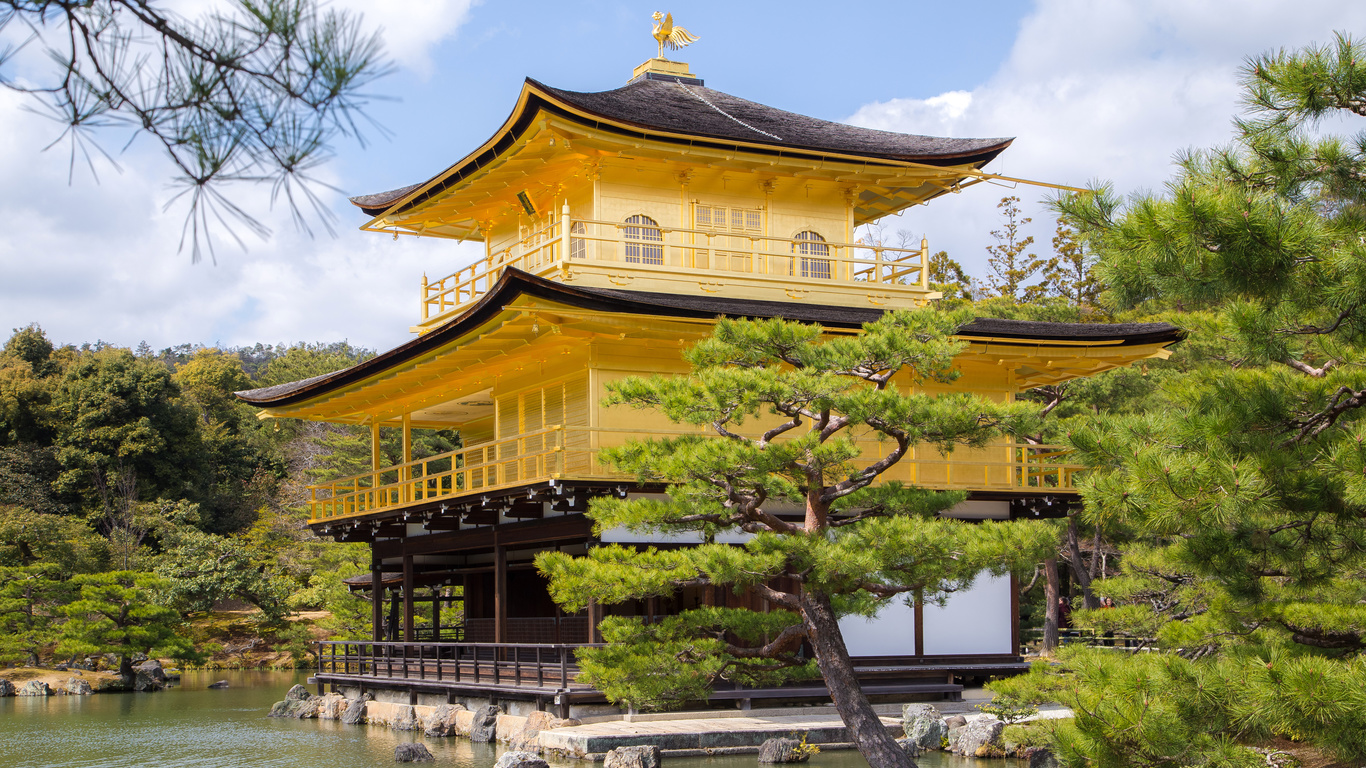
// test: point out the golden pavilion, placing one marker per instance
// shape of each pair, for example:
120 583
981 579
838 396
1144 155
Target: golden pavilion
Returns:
618 226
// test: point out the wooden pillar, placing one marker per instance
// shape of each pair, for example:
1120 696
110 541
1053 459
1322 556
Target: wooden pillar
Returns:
436 616
376 453
377 600
407 473
1014 614
408 599
594 618
919 624
500 594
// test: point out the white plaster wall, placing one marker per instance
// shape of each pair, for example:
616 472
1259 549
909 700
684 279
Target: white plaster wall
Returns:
890 633
974 621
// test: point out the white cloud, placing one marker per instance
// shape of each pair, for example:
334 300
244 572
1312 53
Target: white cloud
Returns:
1101 91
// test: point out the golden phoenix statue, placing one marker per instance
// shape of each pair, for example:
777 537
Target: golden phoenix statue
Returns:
669 35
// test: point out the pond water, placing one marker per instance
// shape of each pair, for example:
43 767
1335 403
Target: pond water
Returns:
189 726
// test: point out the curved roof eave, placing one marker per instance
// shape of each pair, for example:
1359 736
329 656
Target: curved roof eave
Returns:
536 96
514 283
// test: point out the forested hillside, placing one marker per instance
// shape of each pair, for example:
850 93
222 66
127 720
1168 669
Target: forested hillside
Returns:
134 477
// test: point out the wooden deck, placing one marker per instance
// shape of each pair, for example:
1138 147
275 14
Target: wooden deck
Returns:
547 673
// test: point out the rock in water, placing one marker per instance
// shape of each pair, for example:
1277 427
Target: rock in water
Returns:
909 747
34 688
6 687
979 738
221 684
485 726
633 757
405 719
923 725
298 703
414 752
516 759
355 712
150 676
441 724
529 737
782 751
77 686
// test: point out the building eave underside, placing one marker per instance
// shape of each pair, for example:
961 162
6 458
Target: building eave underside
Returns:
1005 335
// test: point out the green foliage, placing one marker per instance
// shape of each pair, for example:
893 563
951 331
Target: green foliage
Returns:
1011 266
30 598
202 569
1009 709
122 612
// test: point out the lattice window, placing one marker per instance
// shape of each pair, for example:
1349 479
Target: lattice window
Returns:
578 247
734 250
811 247
648 237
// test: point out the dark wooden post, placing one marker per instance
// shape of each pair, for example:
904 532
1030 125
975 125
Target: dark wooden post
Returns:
500 594
919 624
436 616
407 598
377 601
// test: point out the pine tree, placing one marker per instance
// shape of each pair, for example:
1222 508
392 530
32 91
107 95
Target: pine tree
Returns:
785 404
949 278
1071 272
1011 265
1247 487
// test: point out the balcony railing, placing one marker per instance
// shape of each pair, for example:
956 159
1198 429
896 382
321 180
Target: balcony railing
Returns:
698 253
570 453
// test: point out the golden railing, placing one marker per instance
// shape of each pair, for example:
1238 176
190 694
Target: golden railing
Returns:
696 252
570 453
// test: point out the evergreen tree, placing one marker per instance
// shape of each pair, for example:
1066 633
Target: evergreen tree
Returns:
1246 489
948 277
30 601
788 408
1010 263
120 612
1071 272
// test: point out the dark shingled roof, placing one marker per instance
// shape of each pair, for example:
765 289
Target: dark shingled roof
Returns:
694 109
712 116
514 283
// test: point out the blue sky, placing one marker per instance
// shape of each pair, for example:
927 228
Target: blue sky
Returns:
1092 90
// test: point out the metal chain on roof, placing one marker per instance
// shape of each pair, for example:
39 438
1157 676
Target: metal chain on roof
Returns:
704 100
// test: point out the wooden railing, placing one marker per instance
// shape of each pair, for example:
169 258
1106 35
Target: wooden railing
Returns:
512 665
697 252
570 453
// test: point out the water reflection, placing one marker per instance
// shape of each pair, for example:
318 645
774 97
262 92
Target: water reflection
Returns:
192 727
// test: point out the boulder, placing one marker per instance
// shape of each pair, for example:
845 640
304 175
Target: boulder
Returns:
646 756
77 686
924 725
34 688
331 706
149 676
6 687
298 703
782 750
484 725
515 759
355 712
218 686
405 719
909 746
528 737
981 737
412 752
441 723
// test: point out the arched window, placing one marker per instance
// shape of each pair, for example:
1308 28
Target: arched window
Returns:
648 248
814 254
578 248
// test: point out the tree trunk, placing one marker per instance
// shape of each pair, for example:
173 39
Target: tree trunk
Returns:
866 730
1079 569
1050 598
